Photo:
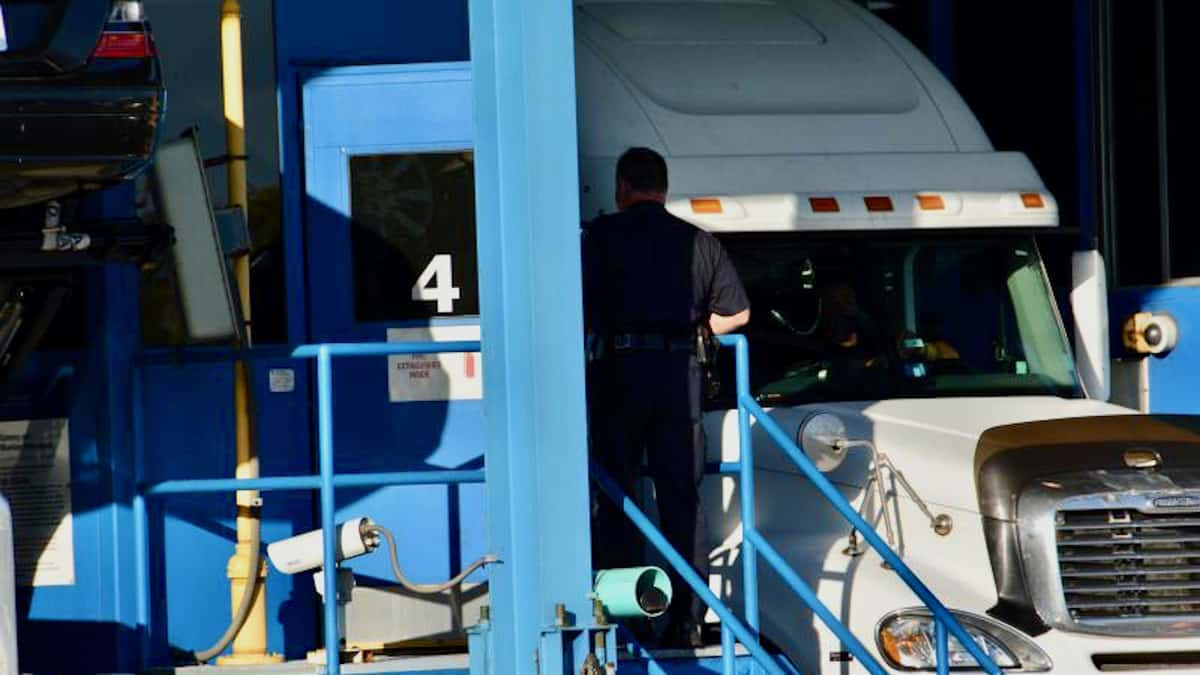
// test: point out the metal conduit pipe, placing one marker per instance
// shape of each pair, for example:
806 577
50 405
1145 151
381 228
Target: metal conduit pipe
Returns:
246 569
249 594
427 589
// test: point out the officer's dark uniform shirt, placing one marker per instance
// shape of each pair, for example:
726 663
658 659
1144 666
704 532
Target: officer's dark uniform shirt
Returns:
646 271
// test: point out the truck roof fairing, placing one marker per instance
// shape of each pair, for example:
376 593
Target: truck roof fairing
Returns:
780 97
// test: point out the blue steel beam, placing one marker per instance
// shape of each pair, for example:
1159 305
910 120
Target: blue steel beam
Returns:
527 207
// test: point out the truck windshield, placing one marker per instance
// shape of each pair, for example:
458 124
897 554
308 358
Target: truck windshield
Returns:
857 317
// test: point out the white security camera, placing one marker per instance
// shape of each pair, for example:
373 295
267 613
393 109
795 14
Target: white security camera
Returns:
304 552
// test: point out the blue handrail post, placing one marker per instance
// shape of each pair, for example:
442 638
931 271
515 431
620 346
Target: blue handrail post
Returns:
809 597
746 488
141 538
728 651
333 652
943 648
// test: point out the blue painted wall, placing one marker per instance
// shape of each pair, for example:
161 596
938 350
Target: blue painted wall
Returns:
1172 377
188 428
90 387
308 37
188 433
187 425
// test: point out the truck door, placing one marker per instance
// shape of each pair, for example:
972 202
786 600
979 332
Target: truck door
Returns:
390 236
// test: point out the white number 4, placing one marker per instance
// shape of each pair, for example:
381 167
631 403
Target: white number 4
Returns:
436 284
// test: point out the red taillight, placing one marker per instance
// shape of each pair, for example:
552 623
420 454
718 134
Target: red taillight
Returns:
124 45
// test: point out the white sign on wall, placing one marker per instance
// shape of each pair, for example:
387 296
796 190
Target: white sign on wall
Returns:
281 380
435 377
35 478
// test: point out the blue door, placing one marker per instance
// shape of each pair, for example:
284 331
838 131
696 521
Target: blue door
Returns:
390 235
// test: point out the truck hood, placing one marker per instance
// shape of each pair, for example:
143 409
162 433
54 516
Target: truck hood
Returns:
932 441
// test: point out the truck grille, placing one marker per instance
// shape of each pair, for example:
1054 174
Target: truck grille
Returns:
1126 565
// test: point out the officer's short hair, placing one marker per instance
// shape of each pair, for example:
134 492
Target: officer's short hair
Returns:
643 169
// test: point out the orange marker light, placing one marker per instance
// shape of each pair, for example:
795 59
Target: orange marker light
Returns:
878 204
1032 200
824 204
931 202
707 206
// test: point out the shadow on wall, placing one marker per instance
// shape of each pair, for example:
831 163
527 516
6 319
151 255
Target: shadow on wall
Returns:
189 435
42 486
193 535
806 530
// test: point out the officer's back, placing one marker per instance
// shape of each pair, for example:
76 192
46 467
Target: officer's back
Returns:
650 280
639 273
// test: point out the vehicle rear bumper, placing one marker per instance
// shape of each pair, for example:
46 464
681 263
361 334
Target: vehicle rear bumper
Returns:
80 124
55 139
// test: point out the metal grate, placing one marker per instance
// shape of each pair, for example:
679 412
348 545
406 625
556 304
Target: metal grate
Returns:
1123 564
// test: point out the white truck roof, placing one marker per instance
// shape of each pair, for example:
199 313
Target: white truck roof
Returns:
768 109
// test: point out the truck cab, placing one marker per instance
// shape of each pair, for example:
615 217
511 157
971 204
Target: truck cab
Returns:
891 257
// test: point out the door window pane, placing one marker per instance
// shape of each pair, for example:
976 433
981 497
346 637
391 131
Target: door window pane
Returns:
413 236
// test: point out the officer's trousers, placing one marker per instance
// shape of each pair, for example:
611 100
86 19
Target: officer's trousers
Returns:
647 403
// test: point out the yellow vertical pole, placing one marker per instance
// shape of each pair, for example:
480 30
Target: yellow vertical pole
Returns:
250 645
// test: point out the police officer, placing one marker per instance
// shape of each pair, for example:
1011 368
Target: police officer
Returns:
649 280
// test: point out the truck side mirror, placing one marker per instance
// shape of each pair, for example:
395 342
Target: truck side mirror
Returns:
1089 306
822 436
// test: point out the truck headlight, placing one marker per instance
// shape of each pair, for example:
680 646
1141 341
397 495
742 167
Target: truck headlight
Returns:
907 640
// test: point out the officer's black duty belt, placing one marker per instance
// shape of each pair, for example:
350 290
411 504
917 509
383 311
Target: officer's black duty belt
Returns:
649 342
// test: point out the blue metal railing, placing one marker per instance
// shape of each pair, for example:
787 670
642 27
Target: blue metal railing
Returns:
754 545
325 481
729 622
733 630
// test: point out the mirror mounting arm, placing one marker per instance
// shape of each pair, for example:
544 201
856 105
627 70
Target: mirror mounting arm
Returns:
941 523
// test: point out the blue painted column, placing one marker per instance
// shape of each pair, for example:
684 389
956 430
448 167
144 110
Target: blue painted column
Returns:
114 324
113 352
527 194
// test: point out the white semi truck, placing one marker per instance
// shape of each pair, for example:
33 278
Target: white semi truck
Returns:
889 253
